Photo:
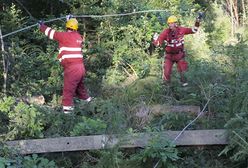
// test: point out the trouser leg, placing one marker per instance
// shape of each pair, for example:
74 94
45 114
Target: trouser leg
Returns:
72 76
81 91
182 67
167 70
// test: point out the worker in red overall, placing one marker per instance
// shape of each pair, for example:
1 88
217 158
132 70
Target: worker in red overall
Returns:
173 37
71 58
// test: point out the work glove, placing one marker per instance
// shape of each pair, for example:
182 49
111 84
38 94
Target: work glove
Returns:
40 23
68 17
155 36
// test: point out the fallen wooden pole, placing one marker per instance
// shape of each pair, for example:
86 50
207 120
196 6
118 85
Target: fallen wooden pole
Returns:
156 110
63 144
145 114
161 109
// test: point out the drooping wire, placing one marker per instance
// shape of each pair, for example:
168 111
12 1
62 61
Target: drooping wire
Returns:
25 9
190 123
84 16
121 14
28 27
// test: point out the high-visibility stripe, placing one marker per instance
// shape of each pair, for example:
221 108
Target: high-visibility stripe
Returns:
180 40
179 44
51 34
47 31
69 49
194 29
71 56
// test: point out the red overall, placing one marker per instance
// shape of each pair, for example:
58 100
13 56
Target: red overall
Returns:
174 50
71 58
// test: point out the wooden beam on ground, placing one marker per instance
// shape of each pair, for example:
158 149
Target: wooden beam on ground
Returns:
63 144
161 109
145 114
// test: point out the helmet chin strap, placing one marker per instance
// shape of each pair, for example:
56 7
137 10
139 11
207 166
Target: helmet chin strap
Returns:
70 30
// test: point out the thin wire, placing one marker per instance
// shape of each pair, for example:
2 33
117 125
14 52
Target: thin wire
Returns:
24 8
84 16
28 27
121 14
203 110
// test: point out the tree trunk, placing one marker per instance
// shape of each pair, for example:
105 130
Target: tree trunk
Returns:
232 7
5 64
244 12
236 12
232 18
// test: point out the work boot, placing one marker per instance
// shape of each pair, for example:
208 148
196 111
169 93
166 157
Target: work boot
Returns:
183 80
89 99
68 109
185 84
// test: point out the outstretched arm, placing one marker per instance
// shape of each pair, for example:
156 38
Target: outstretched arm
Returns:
49 32
195 28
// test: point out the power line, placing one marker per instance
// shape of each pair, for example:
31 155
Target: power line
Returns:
84 16
190 123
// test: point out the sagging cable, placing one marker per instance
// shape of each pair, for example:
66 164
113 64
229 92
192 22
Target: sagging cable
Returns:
84 16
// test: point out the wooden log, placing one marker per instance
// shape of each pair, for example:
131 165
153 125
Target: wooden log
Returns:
161 109
156 110
145 114
62 144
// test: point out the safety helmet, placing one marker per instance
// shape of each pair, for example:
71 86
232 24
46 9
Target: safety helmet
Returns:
172 19
72 24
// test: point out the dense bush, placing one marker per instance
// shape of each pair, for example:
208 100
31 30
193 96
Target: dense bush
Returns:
124 73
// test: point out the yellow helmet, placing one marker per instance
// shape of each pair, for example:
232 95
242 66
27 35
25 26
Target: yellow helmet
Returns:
172 19
72 24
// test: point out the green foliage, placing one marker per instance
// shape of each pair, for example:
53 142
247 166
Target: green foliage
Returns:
27 162
161 149
57 124
238 132
111 159
39 162
159 152
218 25
203 156
6 103
6 163
148 89
10 158
238 63
123 73
24 73
12 19
167 122
24 120
88 127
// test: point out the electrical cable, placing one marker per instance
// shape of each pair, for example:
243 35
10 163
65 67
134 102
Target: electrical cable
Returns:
190 123
84 16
